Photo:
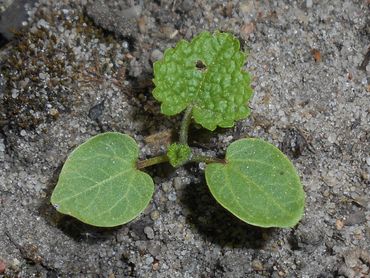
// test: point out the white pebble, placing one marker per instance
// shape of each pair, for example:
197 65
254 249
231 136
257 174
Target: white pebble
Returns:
172 196
368 160
149 260
23 133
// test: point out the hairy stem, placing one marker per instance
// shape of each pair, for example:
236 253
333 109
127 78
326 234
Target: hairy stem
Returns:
207 159
184 130
151 161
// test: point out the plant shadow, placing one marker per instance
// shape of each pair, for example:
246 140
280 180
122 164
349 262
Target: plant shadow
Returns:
217 225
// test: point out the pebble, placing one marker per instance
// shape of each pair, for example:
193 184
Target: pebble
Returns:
149 232
257 265
368 160
2 145
15 264
132 12
23 133
136 68
166 186
149 260
154 215
332 138
339 224
309 3
154 249
43 23
357 217
178 184
14 93
155 266
172 196
156 55
2 266
202 166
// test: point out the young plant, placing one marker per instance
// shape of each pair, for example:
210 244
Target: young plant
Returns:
102 184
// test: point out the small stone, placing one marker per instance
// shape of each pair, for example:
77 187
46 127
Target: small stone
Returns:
43 23
368 160
2 145
143 27
156 55
23 133
357 217
309 4
247 29
54 112
172 196
135 68
178 184
166 186
326 193
132 12
149 232
168 32
332 138
155 266
149 260
257 265
15 264
154 215
365 176
339 224
42 76
154 249
202 166
2 266
14 93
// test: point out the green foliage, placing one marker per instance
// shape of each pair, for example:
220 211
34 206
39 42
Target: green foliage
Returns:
205 73
99 183
178 154
258 184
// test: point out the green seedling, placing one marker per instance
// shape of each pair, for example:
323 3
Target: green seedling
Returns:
102 182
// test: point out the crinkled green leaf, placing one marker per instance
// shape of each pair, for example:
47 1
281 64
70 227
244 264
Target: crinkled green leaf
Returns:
178 154
258 184
99 183
207 74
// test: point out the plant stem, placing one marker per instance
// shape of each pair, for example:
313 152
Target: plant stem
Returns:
184 130
151 161
207 159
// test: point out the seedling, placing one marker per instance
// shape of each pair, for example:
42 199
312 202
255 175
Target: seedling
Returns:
102 182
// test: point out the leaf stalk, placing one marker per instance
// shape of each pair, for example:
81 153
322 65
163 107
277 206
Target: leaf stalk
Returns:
151 161
184 130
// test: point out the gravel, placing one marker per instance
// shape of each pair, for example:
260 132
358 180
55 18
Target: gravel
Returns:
312 99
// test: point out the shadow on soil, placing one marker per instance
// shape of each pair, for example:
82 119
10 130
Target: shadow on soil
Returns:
215 224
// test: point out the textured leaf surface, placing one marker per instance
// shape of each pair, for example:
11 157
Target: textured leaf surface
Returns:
205 73
178 154
99 183
258 184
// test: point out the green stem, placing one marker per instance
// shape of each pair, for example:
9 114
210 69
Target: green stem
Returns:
207 159
151 161
184 130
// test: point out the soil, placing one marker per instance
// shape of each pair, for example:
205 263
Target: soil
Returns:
78 68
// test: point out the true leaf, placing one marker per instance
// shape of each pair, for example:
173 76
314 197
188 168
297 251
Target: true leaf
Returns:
258 184
99 183
178 154
205 73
